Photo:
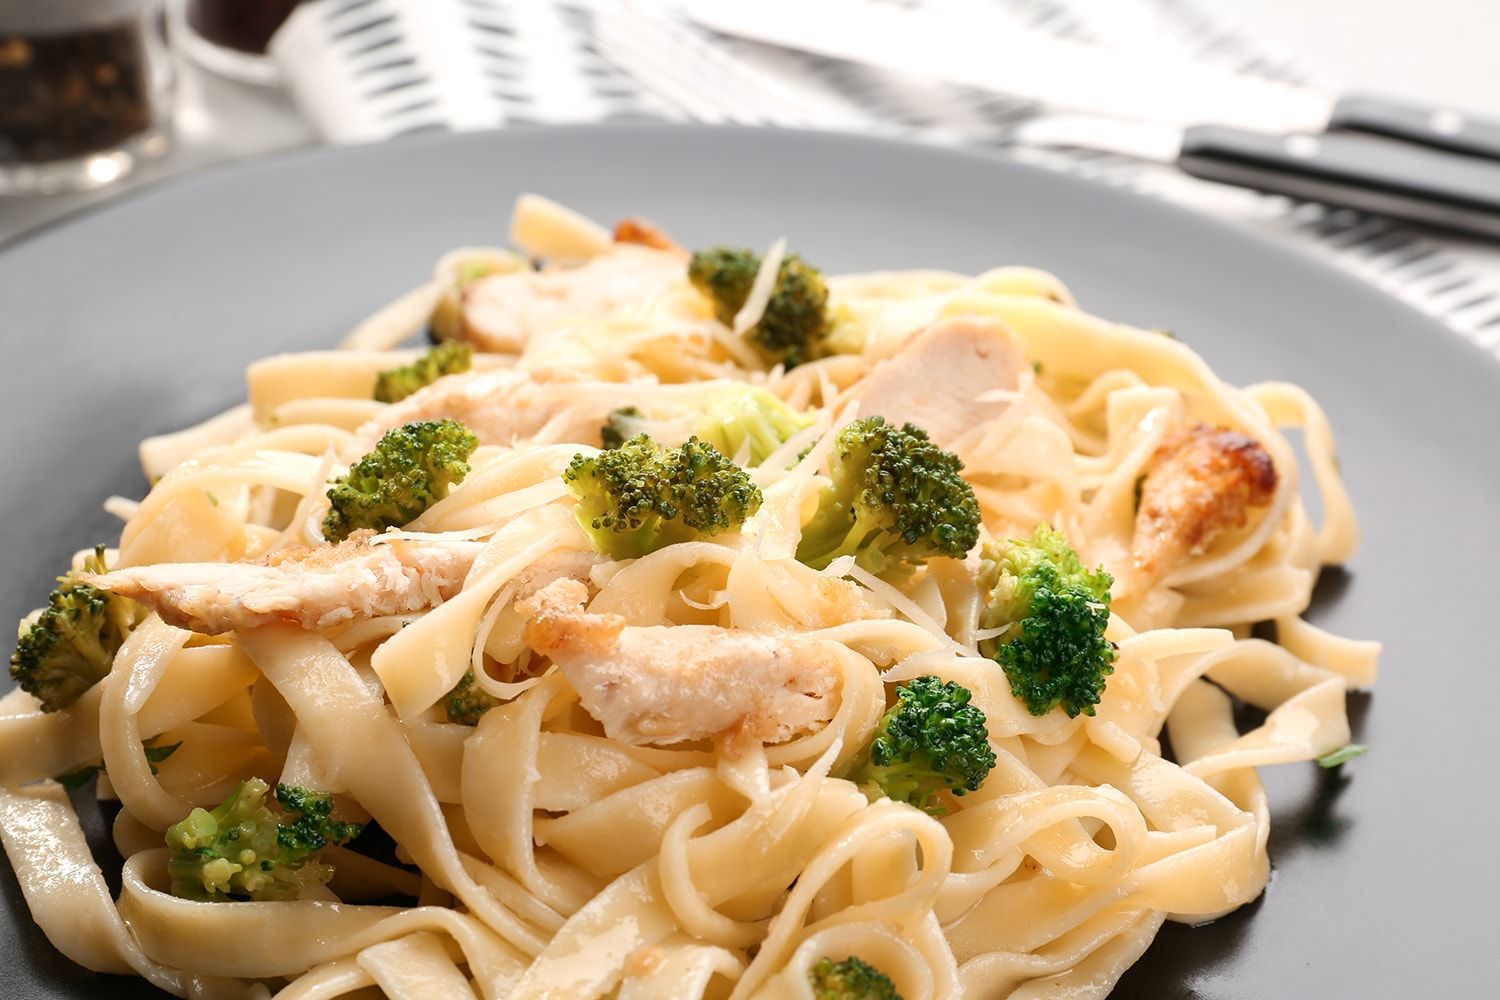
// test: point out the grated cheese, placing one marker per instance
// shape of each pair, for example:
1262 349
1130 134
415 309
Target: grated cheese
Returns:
760 290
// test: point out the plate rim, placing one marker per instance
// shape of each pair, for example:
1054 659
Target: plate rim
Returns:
1339 285
227 171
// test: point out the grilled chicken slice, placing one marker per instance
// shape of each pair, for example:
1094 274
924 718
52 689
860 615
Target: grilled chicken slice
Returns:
1202 481
500 406
315 588
644 232
560 564
677 683
939 378
502 312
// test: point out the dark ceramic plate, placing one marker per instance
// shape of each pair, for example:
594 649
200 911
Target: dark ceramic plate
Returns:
140 319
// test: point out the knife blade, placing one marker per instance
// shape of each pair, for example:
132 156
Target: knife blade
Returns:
988 51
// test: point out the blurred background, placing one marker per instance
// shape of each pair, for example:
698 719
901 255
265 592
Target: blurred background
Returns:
100 97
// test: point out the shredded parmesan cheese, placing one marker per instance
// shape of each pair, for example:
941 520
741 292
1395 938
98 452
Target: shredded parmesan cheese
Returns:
304 519
121 507
400 535
900 603
760 290
840 567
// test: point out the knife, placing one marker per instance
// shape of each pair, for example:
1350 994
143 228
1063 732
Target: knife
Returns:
1444 169
1348 169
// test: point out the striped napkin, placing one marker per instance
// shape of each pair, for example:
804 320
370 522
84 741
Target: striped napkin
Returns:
370 70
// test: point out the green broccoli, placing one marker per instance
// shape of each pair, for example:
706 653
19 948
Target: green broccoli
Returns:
243 850
310 826
622 425
851 979
931 740
468 701
848 332
1055 653
75 780
72 643
640 497
737 417
411 469
896 500
1343 755
448 358
750 418
80 777
792 328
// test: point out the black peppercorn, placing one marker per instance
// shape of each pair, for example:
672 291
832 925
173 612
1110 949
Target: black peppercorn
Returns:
72 93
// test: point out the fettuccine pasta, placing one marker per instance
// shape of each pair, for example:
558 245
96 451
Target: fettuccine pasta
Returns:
676 811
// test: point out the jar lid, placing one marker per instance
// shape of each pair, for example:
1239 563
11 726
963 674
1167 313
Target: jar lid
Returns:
56 16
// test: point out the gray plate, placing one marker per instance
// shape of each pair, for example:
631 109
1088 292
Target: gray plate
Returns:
140 319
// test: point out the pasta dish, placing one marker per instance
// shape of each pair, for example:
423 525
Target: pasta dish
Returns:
686 624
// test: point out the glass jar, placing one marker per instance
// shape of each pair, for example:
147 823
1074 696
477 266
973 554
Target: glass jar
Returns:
230 37
85 90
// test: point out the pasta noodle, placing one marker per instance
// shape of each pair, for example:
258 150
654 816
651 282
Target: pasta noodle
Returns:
539 853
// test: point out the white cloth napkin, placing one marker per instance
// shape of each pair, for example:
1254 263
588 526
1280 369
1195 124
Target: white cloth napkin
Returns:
370 70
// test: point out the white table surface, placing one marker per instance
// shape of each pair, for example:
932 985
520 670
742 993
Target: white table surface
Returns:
1438 50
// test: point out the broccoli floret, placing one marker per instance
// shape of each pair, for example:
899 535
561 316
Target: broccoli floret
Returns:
847 332
1054 653
468 701
243 850
155 755
851 979
448 358
622 425
896 500
640 497
411 469
737 417
931 740
72 643
795 321
750 418
75 780
80 777
309 826
1343 755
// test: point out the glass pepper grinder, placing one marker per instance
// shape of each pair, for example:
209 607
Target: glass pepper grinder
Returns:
85 92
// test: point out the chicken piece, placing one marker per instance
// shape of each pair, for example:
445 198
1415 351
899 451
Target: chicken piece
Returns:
505 643
1202 480
644 232
499 406
836 601
560 564
666 684
502 312
315 588
561 598
939 378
